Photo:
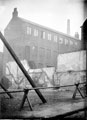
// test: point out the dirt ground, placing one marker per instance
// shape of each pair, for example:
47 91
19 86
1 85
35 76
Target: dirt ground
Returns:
52 97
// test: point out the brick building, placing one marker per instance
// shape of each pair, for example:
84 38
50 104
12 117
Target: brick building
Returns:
37 44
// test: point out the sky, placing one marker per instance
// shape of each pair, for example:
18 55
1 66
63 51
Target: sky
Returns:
49 13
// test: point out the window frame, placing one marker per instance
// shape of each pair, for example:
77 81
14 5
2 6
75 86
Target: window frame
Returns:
55 38
43 34
60 40
49 36
36 32
29 29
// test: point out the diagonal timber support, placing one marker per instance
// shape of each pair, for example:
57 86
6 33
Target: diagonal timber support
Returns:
21 67
77 89
6 91
25 97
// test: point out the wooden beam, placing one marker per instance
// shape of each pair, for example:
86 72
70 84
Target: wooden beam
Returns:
21 67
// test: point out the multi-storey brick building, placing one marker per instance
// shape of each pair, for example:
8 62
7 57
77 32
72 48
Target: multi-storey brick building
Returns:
37 44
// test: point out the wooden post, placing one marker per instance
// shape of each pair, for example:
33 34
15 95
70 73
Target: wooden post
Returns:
84 43
25 97
77 89
6 91
84 46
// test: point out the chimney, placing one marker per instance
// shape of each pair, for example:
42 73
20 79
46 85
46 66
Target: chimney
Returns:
68 26
15 13
77 35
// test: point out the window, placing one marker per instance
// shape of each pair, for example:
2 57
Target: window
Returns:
42 52
66 41
34 52
55 57
49 36
43 35
55 38
71 43
27 52
48 57
35 32
40 65
29 30
60 40
48 53
75 43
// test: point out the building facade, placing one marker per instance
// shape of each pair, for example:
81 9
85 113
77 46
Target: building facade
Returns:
37 44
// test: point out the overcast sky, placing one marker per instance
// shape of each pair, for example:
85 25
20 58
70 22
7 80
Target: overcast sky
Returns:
50 13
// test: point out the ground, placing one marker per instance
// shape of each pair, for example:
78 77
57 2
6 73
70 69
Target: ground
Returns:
53 98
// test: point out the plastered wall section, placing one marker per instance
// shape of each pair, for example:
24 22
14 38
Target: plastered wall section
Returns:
71 62
65 73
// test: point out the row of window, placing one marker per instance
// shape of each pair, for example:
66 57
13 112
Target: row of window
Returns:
42 52
49 36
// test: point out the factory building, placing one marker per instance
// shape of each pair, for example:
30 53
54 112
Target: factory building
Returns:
37 44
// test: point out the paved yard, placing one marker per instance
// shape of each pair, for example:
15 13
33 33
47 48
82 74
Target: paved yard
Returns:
54 98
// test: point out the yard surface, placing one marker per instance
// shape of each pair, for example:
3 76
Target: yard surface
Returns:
53 97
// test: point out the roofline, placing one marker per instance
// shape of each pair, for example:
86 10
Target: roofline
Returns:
36 24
